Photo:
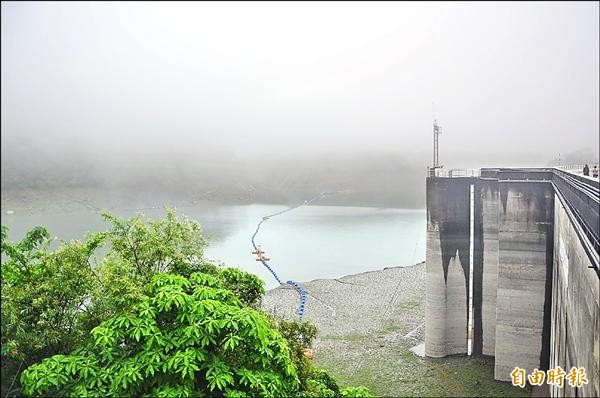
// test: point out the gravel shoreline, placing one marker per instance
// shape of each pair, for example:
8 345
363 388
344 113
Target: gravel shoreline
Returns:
367 322
360 304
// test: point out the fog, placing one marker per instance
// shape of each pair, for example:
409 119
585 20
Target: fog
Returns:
272 102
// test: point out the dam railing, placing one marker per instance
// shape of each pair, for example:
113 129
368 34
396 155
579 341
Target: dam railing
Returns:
465 172
452 173
576 168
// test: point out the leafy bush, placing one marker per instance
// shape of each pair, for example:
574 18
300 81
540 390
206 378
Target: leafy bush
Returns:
52 299
188 336
248 287
44 296
357 392
174 245
299 335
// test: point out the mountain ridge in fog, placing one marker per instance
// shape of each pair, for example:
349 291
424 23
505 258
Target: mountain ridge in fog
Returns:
367 179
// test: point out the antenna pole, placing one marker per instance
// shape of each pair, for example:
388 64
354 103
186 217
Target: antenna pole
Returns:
437 130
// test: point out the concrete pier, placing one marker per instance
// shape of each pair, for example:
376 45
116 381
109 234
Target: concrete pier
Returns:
536 290
447 259
524 263
485 266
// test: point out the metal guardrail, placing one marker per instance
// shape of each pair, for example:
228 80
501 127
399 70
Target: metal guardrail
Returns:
577 168
452 173
581 199
589 188
586 236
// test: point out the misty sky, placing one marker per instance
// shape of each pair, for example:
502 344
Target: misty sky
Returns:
513 83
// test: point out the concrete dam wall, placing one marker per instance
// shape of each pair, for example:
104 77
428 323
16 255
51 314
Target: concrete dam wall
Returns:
575 333
508 276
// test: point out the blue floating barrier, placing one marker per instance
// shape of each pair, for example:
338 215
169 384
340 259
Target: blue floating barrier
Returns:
297 286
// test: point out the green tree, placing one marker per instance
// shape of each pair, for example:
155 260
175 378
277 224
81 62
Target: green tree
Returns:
300 335
138 249
174 245
52 299
249 288
44 297
188 337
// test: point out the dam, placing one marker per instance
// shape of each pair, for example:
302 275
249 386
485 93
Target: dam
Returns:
513 270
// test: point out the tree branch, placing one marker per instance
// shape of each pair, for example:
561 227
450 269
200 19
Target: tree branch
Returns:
13 380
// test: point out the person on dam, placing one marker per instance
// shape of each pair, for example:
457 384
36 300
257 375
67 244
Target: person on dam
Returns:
586 170
595 171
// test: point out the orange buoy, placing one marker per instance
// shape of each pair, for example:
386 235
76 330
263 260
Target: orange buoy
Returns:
309 353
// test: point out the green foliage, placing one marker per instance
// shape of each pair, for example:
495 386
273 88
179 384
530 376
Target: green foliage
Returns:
3 234
357 392
25 256
320 384
299 335
173 245
51 300
44 296
186 337
248 287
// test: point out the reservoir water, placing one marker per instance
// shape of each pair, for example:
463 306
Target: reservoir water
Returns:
310 242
